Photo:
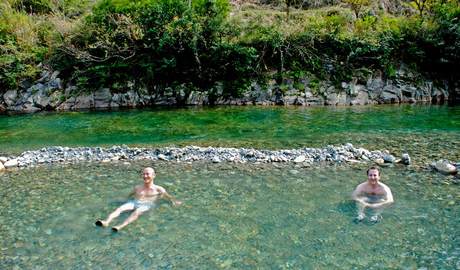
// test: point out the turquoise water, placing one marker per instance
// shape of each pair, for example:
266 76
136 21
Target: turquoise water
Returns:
421 130
233 217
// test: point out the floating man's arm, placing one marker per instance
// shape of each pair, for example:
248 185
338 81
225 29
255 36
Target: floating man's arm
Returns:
167 196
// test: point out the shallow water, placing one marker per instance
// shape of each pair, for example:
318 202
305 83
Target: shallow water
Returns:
233 217
425 132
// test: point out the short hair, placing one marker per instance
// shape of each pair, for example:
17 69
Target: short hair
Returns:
373 168
149 169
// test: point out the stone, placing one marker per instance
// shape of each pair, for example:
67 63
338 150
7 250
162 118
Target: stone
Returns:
379 161
54 75
389 158
83 102
2 168
444 167
67 104
11 163
102 98
10 97
41 100
162 157
389 98
405 159
300 159
216 159
362 98
3 159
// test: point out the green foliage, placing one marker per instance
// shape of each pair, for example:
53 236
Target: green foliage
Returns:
168 44
33 6
159 43
357 5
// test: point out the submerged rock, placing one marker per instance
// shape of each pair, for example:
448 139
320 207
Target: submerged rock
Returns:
444 166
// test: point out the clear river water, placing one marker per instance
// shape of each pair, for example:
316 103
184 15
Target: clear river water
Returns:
234 216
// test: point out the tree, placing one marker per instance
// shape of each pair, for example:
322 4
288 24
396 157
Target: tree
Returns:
357 5
422 5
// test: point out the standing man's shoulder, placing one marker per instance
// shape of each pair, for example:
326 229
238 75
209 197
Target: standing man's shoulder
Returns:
361 187
385 187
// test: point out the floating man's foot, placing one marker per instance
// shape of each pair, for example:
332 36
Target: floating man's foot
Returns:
115 229
101 223
376 218
360 217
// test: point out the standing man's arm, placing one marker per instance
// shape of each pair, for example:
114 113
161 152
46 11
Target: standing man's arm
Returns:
388 198
356 195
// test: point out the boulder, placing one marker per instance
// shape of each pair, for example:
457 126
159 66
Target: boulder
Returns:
102 98
388 98
362 98
290 100
67 105
84 102
10 97
2 168
3 159
41 100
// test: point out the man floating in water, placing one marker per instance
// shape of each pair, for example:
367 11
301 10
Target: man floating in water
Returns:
145 197
372 194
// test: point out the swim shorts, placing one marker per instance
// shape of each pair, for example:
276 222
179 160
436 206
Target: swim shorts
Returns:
139 205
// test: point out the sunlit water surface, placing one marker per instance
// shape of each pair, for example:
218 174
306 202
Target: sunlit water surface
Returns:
233 217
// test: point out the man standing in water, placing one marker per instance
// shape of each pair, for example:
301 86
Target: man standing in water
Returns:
145 197
372 194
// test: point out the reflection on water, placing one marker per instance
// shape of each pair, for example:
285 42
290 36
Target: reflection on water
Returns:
233 217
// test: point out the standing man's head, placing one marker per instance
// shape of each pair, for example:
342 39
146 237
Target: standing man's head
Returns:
373 175
148 175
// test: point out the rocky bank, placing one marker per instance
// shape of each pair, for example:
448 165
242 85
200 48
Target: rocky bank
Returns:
49 93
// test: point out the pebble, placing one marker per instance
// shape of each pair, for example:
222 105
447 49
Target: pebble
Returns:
305 156
300 159
11 163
